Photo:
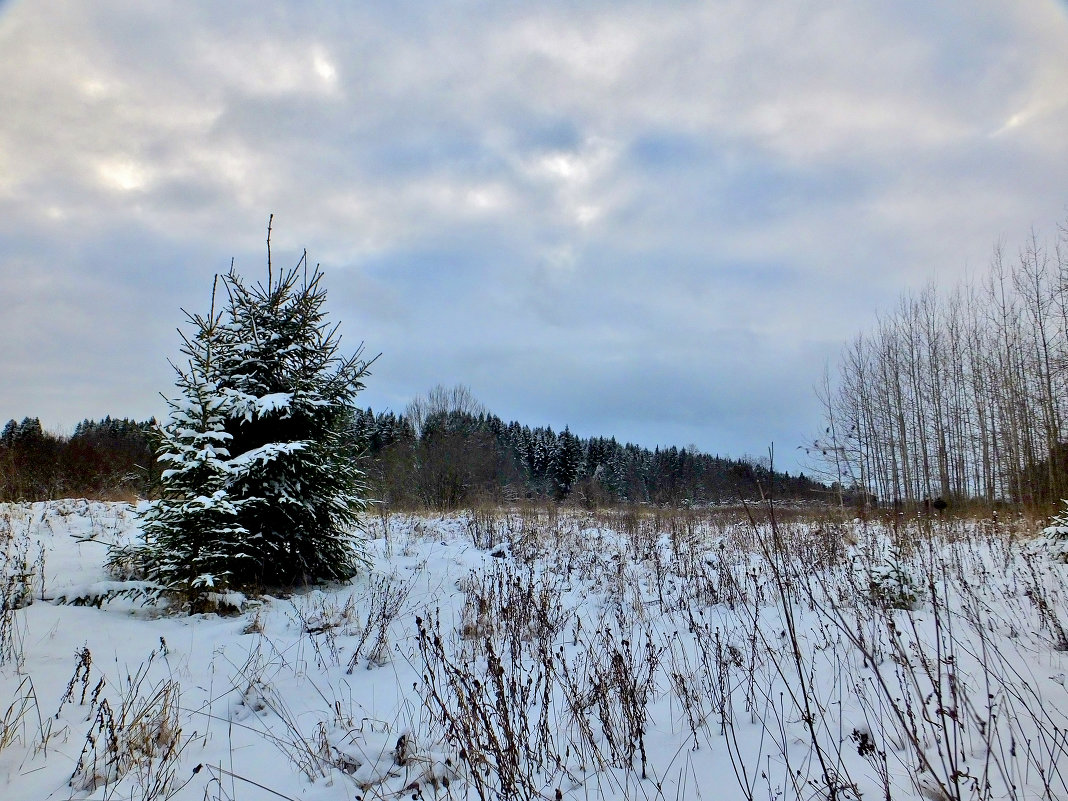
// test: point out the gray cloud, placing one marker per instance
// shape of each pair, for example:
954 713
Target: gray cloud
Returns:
644 219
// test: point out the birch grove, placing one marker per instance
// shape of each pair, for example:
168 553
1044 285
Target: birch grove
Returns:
958 393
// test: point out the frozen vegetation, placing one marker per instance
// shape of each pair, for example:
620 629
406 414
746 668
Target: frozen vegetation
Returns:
532 654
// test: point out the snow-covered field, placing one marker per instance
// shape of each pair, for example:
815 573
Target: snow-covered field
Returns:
509 655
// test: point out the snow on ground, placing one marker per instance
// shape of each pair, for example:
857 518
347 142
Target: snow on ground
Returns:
535 655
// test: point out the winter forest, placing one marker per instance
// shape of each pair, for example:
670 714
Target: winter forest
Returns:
276 593
462 455
581 400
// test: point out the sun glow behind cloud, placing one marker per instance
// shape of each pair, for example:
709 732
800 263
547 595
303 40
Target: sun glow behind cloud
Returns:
323 67
123 174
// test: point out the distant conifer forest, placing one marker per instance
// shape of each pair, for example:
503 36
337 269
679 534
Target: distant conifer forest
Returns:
443 460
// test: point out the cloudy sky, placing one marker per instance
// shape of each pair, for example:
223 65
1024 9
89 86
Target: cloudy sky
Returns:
654 220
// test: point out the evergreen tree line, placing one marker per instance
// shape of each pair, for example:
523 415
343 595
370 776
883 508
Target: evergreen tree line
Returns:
458 458
106 459
959 394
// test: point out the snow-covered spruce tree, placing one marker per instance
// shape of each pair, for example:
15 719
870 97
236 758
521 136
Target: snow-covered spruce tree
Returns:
193 538
261 484
294 462
566 463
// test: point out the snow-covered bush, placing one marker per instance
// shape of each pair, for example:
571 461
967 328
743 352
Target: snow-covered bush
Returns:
261 484
892 585
1055 536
